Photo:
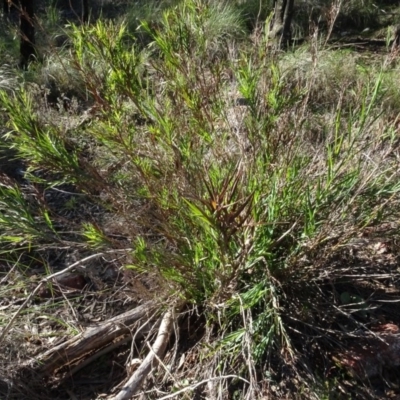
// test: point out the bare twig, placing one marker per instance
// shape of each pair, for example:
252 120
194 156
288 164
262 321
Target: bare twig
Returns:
135 381
332 17
44 280
5 279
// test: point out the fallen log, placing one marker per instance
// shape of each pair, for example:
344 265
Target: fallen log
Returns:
94 339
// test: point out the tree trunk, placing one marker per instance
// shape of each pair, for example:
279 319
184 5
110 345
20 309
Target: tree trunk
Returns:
282 20
27 32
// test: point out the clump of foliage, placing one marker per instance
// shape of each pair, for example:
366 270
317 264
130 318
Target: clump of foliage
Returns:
238 184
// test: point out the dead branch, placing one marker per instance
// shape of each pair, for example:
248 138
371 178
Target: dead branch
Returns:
94 339
157 352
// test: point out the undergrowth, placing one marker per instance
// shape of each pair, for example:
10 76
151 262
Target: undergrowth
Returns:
238 176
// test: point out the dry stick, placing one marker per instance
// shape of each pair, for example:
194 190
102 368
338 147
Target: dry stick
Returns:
95 356
143 329
135 381
44 280
91 340
5 279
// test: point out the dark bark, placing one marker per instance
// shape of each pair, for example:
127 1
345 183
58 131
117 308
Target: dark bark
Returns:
282 21
27 32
